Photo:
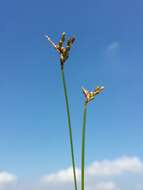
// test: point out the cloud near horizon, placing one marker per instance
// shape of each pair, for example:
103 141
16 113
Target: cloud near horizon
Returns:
100 175
100 168
115 167
104 171
7 180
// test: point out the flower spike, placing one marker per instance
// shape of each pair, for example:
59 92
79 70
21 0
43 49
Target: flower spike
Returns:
91 95
63 51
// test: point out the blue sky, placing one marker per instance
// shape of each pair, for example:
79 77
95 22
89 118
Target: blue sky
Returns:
107 51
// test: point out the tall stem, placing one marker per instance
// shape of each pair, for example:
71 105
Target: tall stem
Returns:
70 129
83 147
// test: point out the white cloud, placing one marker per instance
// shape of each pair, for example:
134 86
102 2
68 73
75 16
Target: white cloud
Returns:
106 186
113 45
99 168
7 179
97 174
64 176
115 167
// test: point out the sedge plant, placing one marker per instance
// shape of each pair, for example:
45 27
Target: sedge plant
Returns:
64 54
88 97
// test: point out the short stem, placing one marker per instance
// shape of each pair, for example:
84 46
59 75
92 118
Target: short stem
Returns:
83 146
69 126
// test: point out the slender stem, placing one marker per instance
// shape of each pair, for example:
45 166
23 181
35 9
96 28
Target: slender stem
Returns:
83 147
70 129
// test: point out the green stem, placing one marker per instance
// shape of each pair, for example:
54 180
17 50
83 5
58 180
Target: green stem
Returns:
70 129
83 147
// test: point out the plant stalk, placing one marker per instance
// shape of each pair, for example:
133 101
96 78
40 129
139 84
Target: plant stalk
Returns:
69 126
83 146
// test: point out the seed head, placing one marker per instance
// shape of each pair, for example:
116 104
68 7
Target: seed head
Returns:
90 95
63 51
